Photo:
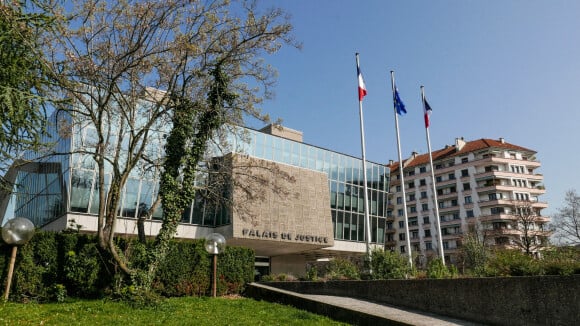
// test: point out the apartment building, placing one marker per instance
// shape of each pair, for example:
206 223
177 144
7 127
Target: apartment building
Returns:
485 187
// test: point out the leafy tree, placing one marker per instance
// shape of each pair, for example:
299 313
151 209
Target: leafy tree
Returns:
567 221
24 77
136 69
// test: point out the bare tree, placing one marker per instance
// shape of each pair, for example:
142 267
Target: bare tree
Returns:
474 252
566 222
128 64
530 225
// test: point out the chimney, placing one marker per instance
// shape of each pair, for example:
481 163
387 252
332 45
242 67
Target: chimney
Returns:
502 140
459 143
391 162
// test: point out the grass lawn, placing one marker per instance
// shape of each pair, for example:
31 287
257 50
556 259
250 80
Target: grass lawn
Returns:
173 311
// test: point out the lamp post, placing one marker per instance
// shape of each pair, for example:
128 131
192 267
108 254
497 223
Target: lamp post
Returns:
16 232
214 244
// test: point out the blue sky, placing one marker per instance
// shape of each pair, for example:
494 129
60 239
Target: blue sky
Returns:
490 69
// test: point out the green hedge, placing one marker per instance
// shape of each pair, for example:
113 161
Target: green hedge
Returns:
55 265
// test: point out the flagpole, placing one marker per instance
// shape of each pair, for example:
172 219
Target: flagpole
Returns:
401 172
364 167
437 218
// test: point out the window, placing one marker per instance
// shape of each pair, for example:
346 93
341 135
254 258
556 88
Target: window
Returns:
466 186
453 202
427 233
402 249
438 166
411 173
412 197
438 179
441 204
422 182
400 212
411 184
464 173
398 188
401 224
401 236
445 245
413 209
413 222
428 246
492 196
424 207
464 160
469 213
399 200
451 176
415 235
426 220
423 194
467 199
455 216
423 169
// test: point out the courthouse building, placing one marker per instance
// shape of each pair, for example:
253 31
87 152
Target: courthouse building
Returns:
291 202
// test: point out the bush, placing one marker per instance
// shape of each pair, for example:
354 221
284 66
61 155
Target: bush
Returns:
54 265
282 277
236 269
561 261
512 263
312 273
389 265
341 269
436 269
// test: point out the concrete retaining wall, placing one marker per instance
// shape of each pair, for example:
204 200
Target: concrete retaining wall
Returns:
546 300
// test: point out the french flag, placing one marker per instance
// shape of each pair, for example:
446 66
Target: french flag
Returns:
427 111
362 89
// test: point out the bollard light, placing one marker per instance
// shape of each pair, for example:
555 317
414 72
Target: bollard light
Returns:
214 244
16 232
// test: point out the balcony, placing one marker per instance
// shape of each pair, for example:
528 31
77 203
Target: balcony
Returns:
508 175
497 217
501 160
502 231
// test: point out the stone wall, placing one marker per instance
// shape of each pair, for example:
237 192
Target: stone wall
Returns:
545 300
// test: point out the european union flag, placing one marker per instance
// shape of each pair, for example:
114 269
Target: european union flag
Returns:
399 106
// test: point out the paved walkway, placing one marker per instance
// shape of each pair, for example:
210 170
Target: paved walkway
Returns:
380 312
390 313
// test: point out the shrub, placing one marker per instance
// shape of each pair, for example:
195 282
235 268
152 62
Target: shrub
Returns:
388 265
185 271
561 261
236 269
312 273
282 277
436 269
54 265
341 269
512 263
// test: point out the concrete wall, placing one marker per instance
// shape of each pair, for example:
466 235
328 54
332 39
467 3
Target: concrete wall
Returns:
547 300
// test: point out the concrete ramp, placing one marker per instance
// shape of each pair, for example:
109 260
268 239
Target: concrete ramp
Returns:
349 310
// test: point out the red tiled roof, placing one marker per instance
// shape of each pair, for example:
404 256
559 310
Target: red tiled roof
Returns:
451 151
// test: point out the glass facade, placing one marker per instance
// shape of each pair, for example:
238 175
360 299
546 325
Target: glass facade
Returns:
69 183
